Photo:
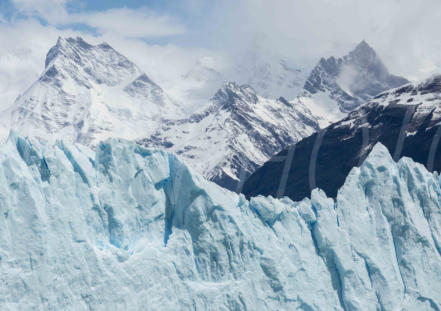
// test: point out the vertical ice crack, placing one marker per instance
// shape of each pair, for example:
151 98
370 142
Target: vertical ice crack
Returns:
398 260
170 202
329 261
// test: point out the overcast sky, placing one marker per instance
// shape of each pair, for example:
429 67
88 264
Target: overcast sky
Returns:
166 38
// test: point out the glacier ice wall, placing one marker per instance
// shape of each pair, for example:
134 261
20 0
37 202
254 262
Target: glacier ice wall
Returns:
126 228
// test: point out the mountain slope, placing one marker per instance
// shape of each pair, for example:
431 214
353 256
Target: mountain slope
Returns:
406 120
128 228
337 86
88 93
235 134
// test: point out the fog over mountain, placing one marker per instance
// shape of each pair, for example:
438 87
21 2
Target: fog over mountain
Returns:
168 39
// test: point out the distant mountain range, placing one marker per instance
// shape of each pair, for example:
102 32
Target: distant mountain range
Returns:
240 130
406 120
88 93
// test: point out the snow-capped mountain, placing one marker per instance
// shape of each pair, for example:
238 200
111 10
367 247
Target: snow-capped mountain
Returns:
91 92
126 228
88 93
235 134
406 120
337 86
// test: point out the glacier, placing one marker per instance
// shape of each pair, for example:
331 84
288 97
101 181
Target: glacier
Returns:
127 228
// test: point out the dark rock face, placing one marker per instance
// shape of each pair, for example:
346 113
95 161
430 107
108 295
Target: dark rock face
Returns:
405 120
353 79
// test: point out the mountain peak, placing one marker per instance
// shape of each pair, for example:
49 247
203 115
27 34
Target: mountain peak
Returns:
363 45
64 45
348 82
71 41
364 55
72 48
232 93
86 63
236 87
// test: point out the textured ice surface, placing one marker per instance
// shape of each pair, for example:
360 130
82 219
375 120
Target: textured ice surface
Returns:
125 228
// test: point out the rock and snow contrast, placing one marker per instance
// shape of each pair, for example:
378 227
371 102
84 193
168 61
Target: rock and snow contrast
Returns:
235 134
88 93
123 227
337 86
406 120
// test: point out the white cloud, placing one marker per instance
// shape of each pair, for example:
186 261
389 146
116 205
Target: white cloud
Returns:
403 32
50 10
141 23
22 53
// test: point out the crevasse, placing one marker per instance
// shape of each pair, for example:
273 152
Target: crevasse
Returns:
124 227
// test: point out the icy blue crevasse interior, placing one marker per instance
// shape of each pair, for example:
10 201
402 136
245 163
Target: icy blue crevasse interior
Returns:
125 228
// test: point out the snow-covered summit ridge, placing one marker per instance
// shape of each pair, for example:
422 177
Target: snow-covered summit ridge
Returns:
337 86
234 134
85 62
126 227
88 93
